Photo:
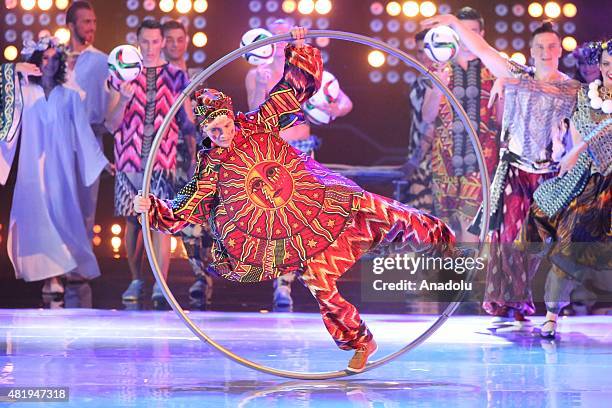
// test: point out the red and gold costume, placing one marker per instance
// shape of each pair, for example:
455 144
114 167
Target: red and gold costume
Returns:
273 210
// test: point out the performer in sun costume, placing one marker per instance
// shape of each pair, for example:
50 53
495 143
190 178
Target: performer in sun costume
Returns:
274 210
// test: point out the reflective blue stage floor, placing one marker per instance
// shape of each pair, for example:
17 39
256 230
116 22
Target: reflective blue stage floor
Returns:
149 359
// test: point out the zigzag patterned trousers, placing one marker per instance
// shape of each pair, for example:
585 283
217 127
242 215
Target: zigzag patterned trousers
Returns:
378 221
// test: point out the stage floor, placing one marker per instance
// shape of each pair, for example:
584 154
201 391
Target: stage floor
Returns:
149 359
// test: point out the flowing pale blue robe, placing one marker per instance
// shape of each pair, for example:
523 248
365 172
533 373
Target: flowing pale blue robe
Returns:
47 236
90 74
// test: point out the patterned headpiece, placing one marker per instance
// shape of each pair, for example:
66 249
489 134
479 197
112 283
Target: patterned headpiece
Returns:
211 104
43 44
592 52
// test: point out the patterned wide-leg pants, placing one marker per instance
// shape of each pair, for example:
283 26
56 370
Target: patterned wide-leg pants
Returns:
379 221
511 269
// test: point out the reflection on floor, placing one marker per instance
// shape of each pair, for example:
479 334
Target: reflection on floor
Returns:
149 359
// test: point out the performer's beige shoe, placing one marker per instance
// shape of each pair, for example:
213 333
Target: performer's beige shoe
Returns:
361 356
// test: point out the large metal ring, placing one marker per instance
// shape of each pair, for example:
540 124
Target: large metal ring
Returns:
200 78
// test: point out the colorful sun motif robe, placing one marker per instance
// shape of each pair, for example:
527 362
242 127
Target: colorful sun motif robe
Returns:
269 207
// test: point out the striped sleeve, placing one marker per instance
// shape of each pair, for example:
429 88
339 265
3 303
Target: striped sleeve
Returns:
301 79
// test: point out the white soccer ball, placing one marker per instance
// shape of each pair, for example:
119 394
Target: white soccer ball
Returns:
125 62
262 55
441 44
327 93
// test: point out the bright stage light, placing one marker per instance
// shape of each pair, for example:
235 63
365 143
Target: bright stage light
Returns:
375 76
63 35
10 35
411 9
445 9
376 58
183 6
518 43
44 19
272 6
289 6
505 55
199 56
501 10
518 27
97 229
116 243
62 4
519 57
200 6
173 244
11 53
570 10
376 8
96 240
518 10
394 8
376 25
116 229
199 39
148 5
428 9
501 43
393 26
45 5
28 4
322 42
27 35
306 6
322 23
166 5
535 10
552 9
569 27
569 43
323 6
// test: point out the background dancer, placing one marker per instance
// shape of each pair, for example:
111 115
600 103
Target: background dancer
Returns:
456 186
573 211
137 110
538 98
47 237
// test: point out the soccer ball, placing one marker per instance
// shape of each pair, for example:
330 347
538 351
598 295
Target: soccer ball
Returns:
327 93
441 44
125 62
262 55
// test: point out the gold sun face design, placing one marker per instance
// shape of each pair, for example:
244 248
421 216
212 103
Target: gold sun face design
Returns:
269 185
266 189
275 208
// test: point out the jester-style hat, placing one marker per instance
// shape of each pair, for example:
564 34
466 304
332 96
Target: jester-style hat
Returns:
212 103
